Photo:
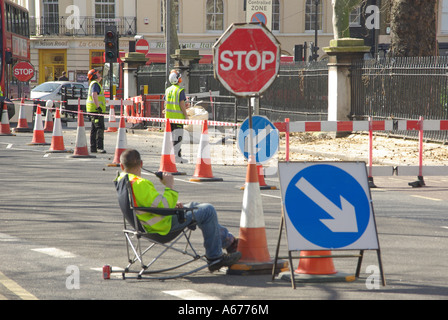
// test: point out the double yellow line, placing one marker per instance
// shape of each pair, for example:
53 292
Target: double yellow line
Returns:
15 288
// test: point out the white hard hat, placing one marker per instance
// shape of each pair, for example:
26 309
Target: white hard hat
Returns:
49 104
175 77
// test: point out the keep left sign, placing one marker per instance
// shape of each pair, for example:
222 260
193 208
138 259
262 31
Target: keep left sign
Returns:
327 206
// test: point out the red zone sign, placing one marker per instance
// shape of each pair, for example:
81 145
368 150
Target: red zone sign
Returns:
23 71
246 59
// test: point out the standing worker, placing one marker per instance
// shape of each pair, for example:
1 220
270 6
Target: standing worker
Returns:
96 103
175 108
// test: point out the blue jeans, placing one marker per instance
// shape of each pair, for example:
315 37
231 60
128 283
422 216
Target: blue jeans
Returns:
216 237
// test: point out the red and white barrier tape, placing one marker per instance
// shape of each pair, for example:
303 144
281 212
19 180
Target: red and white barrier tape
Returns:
126 102
381 125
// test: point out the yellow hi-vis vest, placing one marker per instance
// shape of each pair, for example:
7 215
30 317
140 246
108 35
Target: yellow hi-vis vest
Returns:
173 110
1 91
90 104
146 195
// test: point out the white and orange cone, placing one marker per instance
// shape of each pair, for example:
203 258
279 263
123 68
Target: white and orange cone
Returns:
261 181
38 132
252 241
22 123
5 128
121 142
57 140
48 127
203 171
81 149
112 120
168 160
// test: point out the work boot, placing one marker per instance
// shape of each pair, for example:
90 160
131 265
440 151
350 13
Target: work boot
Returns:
226 260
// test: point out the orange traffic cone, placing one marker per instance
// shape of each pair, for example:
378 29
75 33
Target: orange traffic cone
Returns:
112 120
261 181
5 129
316 265
22 124
81 150
121 142
203 171
38 132
57 140
48 127
168 160
252 238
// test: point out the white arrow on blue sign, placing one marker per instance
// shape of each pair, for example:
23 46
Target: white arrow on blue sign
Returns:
266 138
327 206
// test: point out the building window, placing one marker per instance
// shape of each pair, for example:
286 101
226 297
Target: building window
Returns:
215 15
355 17
176 14
276 15
50 17
311 13
104 15
444 22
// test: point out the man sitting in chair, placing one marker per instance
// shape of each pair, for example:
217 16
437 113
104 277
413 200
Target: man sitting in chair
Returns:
215 236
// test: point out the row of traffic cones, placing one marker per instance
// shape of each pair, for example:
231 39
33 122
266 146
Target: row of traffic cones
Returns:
252 237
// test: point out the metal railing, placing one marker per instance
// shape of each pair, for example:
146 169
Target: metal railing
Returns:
401 88
81 26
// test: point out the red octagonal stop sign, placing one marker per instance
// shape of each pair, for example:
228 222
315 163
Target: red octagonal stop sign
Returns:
246 59
23 71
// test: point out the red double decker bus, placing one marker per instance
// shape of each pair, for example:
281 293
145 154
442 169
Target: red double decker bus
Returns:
14 47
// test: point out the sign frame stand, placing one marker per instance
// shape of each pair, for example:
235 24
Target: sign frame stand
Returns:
321 278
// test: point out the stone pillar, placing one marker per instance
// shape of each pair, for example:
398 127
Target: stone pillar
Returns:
184 58
342 53
132 61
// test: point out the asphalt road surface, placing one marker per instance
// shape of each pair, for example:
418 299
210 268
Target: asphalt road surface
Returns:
60 223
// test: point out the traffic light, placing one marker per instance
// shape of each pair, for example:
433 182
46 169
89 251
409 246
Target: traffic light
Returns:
111 44
298 52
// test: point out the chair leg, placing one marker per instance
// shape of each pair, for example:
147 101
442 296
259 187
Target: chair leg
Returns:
136 248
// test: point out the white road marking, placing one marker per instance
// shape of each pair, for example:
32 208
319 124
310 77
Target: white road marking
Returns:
55 252
190 295
427 198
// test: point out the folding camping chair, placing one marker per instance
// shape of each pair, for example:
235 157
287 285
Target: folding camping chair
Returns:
134 233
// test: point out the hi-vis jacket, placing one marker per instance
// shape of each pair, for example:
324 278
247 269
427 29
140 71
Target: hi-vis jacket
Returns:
146 195
90 104
173 110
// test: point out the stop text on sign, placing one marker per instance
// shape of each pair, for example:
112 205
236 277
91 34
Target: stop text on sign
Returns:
253 60
23 72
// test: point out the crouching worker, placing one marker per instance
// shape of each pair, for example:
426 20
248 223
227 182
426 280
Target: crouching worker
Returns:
215 236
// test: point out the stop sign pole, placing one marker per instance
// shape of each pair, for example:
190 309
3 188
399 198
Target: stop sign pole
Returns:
246 60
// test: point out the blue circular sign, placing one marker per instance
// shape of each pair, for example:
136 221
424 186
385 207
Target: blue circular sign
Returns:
327 206
265 138
259 17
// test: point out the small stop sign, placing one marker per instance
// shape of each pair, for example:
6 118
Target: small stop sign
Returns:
23 71
246 59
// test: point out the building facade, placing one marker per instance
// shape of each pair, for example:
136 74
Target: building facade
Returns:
67 35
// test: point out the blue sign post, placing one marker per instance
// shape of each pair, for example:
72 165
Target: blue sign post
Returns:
328 206
265 136
334 209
